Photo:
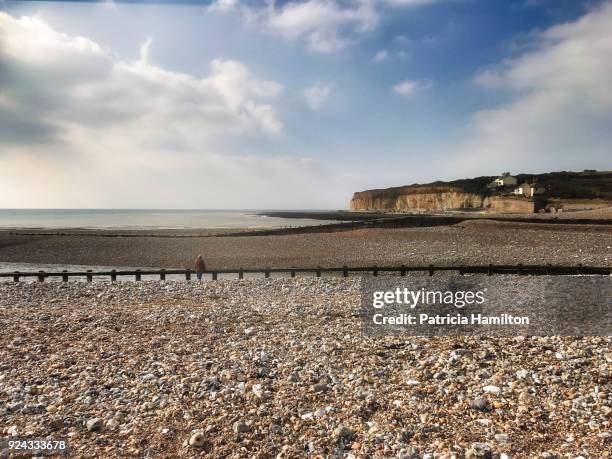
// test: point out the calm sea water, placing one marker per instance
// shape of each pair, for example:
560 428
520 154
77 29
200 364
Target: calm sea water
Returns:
143 219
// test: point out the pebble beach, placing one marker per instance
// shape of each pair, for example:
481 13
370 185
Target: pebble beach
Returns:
470 243
279 368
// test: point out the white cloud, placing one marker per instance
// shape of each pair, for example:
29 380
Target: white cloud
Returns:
69 80
562 105
402 3
409 87
316 96
223 6
325 25
401 54
402 40
381 56
144 50
80 127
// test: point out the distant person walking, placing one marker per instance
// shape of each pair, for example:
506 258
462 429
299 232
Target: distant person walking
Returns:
200 267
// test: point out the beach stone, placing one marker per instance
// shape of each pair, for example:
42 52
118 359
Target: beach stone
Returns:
319 388
13 431
522 374
275 429
94 424
491 389
249 331
257 390
13 407
197 440
479 451
240 427
201 338
343 432
56 424
112 423
480 404
502 438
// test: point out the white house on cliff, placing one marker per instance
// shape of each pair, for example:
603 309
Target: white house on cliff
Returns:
503 180
529 190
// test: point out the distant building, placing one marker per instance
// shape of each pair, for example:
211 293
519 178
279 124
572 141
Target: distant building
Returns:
503 180
529 190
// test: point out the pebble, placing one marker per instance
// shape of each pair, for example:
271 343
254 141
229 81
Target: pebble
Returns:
197 440
502 438
151 360
480 403
94 424
491 389
240 427
258 390
479 451
112 423
319 387
343 432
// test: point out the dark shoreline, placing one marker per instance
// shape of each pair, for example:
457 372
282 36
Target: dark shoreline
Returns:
363 221
337 215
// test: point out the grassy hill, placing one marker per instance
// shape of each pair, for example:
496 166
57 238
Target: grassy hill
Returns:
575 185
564 185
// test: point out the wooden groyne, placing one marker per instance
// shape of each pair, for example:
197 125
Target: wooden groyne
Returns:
344 271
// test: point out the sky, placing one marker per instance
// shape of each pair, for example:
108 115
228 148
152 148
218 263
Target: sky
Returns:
263 104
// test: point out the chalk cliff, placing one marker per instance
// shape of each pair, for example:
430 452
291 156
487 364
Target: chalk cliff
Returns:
417 198
473 193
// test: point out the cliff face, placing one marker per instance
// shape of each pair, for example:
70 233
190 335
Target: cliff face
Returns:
416 199
472 193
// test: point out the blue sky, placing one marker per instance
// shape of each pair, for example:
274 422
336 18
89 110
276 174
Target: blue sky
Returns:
252 104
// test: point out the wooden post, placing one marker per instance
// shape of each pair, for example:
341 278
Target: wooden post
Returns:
318 271
240 274
461 270
375 270
64 276
267 272
162 275
214 275
345 271
113 275
292 273
431 270
138 275
579 270
16 276
402 270
41 276
188 275
520 268
89 275
490 270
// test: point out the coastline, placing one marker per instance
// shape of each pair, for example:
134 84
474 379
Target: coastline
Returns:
468 243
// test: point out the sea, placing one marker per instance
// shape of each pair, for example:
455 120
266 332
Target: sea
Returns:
132 219
142 219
